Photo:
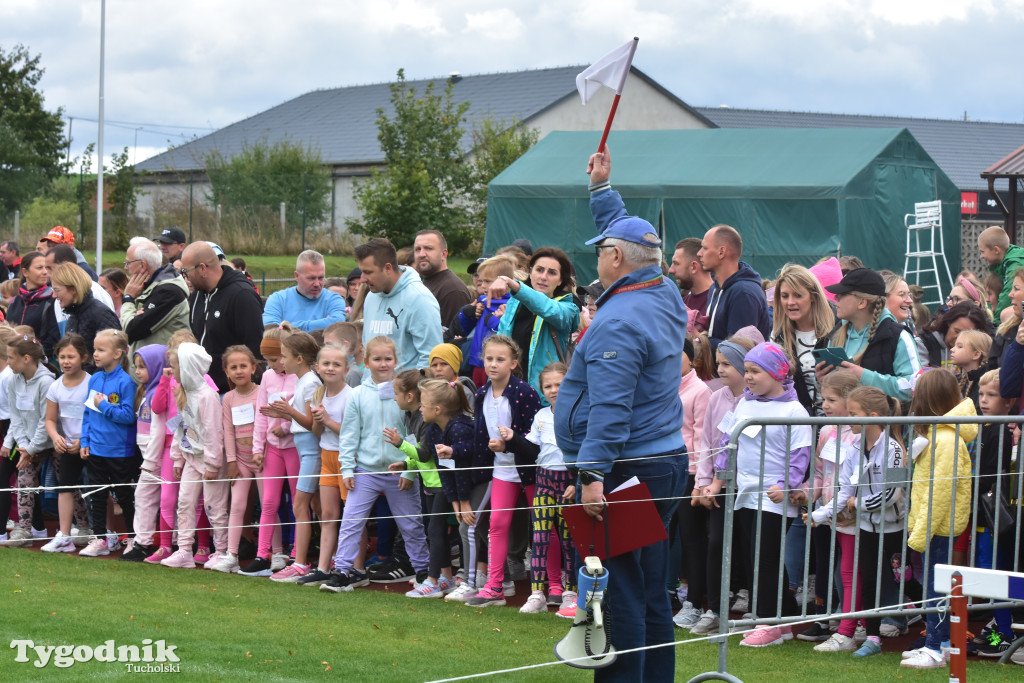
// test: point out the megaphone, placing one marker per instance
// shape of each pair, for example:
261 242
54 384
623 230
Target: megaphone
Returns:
588 645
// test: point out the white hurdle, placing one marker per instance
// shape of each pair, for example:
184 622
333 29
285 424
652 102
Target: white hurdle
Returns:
962 583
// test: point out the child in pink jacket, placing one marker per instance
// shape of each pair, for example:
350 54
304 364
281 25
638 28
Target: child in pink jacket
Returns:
198 454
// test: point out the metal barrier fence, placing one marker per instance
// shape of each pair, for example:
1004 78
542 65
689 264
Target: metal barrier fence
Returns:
1004 551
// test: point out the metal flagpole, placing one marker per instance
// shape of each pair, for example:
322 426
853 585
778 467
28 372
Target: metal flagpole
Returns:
99 148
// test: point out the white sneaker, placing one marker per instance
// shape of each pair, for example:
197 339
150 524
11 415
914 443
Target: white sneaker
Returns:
80 537
461 594
228 564
535 604
837 643
887 630
19 538
279 561
39 533
96 547
923 658
861 634
10 525
688 616
113 542
508 588
706 624
59 544
742 603
213 559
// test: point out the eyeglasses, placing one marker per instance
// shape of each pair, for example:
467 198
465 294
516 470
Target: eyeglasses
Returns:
185 271
599 247
953 299
128 263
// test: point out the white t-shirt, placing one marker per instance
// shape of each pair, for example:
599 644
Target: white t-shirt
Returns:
498 414
305 387
542 433
71 405
335 407
5 378
750 484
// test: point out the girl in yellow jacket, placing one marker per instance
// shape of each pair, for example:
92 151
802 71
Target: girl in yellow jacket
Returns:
940 494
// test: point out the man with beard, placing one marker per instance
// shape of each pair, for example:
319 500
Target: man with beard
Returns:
430 253
692 277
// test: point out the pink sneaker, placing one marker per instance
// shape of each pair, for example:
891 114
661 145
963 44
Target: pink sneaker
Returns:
181 559
159 555
290 574
213 559
763 636
202 556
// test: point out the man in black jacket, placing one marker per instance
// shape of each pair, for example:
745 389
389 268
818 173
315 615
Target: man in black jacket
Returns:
226 310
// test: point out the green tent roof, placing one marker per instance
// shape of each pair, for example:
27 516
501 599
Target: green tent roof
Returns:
794 194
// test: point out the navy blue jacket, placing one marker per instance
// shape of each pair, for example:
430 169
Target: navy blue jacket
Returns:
739 302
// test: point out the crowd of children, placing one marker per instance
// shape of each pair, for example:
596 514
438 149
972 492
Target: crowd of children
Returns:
442 458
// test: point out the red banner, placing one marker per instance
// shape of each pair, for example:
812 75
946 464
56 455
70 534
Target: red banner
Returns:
969 203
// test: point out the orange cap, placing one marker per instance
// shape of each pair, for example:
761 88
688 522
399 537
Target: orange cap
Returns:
60 235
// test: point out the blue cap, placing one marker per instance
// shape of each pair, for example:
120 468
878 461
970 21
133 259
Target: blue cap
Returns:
631 229
218 251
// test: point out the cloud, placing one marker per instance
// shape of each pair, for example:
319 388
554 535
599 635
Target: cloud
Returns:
498 24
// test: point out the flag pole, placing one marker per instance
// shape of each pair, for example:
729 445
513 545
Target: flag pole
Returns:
618 95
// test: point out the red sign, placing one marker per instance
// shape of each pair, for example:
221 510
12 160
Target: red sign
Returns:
969 203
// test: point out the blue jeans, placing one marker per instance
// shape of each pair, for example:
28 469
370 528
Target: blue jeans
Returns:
937 625
641 613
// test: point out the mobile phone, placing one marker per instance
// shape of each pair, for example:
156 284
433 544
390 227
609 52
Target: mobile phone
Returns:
833 355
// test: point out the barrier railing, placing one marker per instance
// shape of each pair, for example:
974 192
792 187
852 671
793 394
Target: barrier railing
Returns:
989 547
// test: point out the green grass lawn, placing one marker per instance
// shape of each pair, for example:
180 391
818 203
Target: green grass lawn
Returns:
231 628
283 266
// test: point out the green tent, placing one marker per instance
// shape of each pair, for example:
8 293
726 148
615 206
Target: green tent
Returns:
795 195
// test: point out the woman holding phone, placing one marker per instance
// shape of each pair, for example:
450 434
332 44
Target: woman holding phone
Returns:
882 352
803 323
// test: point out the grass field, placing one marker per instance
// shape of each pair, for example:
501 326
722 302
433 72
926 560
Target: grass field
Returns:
233 628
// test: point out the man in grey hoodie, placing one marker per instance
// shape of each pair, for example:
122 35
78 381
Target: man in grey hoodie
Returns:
398 306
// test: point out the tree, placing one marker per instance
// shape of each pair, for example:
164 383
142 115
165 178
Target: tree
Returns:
425 181
122 197
263 175
496 145
31 139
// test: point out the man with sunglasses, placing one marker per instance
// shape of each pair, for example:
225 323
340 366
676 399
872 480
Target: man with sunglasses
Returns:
226 310
155 300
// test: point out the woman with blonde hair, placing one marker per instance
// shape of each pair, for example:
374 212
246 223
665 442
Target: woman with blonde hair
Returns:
72 288
898 298
803 322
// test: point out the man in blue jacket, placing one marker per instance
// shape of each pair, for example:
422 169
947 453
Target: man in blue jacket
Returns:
307 305
619 416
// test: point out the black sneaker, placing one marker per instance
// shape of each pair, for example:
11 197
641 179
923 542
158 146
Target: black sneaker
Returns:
817 633
392 571
995 647
986 633
421 577
338 582
315 577
138 553
258 567
357 579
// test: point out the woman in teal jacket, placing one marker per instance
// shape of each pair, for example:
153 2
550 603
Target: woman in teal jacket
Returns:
538 307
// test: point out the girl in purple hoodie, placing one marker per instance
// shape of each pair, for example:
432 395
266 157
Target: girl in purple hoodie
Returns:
771 461
149 362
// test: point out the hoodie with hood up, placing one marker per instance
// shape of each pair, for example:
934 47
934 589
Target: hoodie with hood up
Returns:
150 426
787 449
408 314
950 452
199 436
28 411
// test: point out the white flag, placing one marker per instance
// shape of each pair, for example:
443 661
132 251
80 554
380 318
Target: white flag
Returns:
609 71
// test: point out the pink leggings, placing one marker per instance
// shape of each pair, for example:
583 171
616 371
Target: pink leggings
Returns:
504 495
247 474
848 627
277 463
169 505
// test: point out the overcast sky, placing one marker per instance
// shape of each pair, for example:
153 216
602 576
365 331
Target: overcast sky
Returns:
180 68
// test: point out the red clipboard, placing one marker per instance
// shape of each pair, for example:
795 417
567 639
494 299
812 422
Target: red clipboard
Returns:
632 522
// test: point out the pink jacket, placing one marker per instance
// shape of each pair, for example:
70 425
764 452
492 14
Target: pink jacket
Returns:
694 396
720 403
272 383
199 439
238 438
163 398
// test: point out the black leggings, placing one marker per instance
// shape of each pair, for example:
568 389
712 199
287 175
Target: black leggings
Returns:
437 533
872 575
766 563
693 522
111 476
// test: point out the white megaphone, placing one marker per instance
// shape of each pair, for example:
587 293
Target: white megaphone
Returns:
588 644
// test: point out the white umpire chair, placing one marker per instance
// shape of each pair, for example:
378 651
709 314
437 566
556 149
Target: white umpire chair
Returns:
925 247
